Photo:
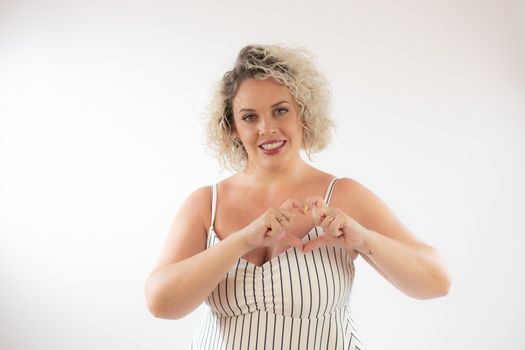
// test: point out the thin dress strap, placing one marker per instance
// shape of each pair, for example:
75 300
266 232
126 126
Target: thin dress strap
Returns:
329 191
213 203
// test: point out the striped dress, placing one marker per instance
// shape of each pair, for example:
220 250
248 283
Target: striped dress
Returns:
293 301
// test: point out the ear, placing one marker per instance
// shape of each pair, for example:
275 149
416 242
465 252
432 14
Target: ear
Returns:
235 137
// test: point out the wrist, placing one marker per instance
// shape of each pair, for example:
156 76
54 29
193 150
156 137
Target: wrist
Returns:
241 242
365 246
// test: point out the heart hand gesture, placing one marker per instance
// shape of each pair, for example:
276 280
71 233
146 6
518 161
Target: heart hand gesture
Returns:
340 230
271 227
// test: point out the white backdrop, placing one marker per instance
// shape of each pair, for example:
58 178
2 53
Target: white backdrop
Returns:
102 138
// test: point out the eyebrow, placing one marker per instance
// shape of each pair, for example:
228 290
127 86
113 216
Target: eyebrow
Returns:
253 110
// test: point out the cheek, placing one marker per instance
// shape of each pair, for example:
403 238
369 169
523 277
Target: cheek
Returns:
300 132
298 127
245 135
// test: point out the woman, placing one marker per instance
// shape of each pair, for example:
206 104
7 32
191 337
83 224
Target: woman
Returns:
271 248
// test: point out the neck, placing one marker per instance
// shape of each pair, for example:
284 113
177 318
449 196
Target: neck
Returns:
278 177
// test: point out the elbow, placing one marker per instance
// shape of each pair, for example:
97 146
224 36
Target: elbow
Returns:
159 308
439 282
154 309
443 287
159 311
438 287
436 292
442 281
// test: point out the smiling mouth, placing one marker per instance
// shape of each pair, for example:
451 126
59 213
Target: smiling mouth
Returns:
272 146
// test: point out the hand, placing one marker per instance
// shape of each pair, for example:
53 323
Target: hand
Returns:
340 230
270 228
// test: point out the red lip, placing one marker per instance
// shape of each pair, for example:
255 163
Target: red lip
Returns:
273 150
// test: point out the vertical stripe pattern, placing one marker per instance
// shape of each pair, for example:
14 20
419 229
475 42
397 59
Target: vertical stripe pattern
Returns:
293 301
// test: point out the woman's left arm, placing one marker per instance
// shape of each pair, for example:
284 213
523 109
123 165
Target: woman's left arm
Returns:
416 269
372 229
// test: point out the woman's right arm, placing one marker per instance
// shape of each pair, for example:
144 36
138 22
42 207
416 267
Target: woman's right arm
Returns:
186 272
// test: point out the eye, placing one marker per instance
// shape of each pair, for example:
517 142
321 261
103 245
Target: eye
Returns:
248 117
281 111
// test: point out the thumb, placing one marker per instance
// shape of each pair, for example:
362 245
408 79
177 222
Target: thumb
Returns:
315 243
292 241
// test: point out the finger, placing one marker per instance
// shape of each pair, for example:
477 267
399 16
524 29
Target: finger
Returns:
276 227
334 228
279 212
269 221
326 220
292 204
282 216
285 216
315 243
274 213
315 202
292 241
318 219
319 214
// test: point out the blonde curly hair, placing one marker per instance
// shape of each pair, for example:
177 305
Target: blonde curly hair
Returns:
292 67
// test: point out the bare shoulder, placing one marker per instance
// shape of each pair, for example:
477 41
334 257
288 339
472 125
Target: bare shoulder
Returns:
188 232
364 206
199 202
196 208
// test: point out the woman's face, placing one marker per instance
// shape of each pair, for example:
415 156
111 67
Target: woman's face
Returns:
267 122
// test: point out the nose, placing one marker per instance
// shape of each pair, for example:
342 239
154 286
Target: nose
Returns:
268 126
